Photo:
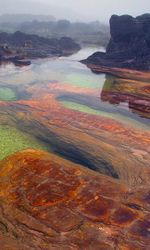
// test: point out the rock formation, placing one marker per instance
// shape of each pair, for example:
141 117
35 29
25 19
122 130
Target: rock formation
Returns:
47 203
43 116
119 91
18 46
53 200
129 46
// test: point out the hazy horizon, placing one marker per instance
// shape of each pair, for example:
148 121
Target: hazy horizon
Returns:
78 10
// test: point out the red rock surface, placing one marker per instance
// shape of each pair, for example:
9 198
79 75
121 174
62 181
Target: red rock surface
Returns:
121 72
135 93
109 146
47 202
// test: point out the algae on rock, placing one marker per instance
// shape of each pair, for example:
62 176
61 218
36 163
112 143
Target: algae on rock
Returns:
13 140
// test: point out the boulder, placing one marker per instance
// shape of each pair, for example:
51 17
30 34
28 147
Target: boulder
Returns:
129 45
47 203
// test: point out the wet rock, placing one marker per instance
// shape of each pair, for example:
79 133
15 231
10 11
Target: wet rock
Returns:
135 94
129 46
18 46
90 141
46 203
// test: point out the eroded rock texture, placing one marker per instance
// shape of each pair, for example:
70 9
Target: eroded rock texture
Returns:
129 46
85 139
47 202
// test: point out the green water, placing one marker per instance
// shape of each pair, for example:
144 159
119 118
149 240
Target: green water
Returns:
80 107
13 140
7 94
84 81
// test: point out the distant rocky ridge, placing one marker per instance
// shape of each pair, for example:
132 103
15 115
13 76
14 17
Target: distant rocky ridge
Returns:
129 45
19 18
19 46
47 26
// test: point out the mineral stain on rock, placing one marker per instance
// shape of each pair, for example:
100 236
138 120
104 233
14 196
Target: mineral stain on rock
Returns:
53 200
52 205
124 215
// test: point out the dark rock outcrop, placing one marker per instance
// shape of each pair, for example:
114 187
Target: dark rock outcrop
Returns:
129 46
24 46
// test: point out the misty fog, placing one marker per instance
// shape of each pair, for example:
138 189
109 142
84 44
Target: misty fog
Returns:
79 10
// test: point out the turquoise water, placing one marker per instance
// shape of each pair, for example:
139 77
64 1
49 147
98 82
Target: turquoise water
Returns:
7 94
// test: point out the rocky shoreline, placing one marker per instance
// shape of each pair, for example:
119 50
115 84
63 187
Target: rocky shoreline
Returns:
50 200
19 48
120 72
129 45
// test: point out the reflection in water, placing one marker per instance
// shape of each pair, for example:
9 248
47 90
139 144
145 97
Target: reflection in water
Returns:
57 103
133 93
120 99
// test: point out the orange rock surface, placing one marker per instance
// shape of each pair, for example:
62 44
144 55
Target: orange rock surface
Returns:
122 72
47 202
107 145
134 93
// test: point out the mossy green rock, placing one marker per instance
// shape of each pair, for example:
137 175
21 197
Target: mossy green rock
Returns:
13 140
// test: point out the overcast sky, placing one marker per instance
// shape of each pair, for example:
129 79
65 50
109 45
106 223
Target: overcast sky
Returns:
76 9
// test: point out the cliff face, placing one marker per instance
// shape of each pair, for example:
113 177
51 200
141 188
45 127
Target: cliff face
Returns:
129 46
